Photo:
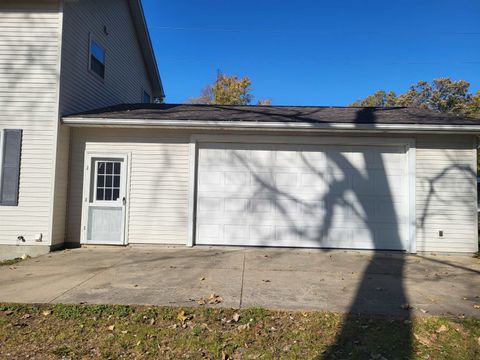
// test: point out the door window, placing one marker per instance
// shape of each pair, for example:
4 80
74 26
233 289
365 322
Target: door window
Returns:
108 174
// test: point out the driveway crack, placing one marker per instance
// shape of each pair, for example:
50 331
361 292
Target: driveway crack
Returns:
241 284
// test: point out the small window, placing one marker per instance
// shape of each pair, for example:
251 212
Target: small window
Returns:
97 58
146 98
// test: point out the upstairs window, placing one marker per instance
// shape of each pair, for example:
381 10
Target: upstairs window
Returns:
97 58
146 98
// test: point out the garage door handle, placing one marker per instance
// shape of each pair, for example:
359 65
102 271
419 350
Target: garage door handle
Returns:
124 201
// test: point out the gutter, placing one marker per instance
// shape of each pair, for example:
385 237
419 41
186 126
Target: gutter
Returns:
273 126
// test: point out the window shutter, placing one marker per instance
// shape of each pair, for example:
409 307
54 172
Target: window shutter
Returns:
12 143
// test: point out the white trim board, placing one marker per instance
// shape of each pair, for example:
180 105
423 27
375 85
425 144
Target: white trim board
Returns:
408 143
276 126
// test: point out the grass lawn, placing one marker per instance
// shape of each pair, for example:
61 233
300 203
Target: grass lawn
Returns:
10 262
131 332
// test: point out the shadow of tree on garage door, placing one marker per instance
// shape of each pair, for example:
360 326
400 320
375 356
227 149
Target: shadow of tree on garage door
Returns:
385 295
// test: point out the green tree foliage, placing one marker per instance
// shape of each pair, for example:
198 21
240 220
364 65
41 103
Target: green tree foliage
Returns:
380 98
228 90
264 102
442 95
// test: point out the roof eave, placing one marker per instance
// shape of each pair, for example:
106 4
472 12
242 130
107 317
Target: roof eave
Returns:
275 126
145 42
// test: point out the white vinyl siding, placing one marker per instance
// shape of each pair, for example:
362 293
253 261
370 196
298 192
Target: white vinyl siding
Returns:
446 194
29 51
81 89
158 181
61 183
125 72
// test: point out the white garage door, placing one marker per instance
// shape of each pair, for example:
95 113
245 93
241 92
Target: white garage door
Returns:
302 196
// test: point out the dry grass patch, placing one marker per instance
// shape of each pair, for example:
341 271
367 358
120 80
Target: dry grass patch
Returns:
130 332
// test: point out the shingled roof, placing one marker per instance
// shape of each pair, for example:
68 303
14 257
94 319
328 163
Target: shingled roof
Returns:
266 114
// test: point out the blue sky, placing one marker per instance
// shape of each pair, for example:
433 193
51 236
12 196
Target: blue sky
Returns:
314 52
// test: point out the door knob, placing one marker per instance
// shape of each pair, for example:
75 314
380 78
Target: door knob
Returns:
124 201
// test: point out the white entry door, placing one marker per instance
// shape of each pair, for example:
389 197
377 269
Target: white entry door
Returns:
331 196
104 199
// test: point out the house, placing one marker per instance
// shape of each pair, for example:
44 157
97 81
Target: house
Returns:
59 57
88 159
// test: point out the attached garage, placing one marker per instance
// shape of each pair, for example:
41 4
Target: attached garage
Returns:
305 177
297 195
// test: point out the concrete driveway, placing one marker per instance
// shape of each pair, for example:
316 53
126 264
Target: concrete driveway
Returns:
274 278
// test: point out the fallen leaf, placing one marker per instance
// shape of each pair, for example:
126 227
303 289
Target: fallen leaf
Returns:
236 317
202 278
111 328
26 316
422 340
46 312
8 312
124 331
182 316
214 299
224 356
201 302
441 329
243 327
476 306
152 321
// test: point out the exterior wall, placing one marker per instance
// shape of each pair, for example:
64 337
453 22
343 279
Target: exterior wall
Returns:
59 206
125 75
29 54
445 186
158 182
125 80
446 196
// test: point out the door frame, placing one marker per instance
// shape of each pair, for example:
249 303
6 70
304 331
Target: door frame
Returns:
89 155
408 143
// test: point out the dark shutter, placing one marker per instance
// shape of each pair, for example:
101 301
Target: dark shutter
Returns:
12 144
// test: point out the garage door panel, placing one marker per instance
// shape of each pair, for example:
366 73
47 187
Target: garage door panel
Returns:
211 205
209 178
286 180
236 232
287 207
209 233
236 178
286 234
305 196
261 158
235 205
